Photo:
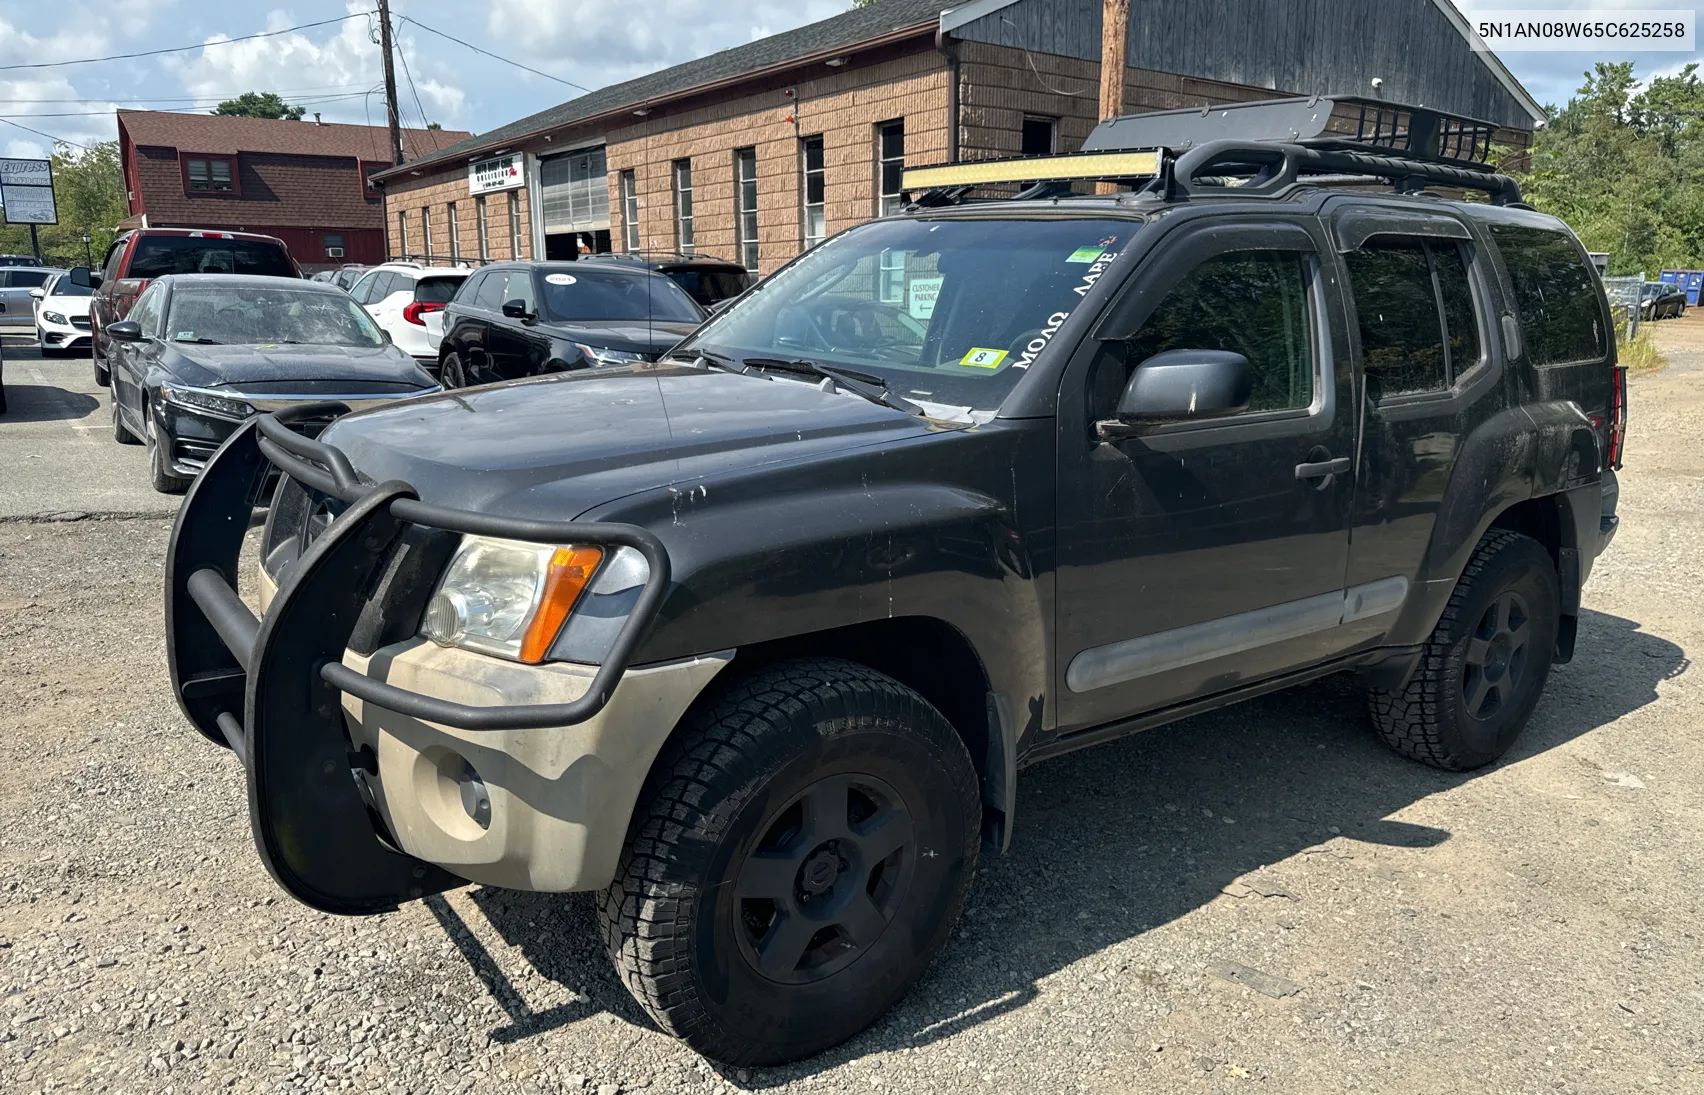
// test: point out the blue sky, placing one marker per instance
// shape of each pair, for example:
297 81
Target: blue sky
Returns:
334 68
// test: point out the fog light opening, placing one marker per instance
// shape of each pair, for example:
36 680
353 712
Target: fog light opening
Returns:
475 799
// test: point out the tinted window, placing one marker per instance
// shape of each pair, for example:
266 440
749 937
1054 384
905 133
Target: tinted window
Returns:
384 284
520 287
709 286
1254 303
1556 293
491 290
28 279
65 287
589 294
157 256
1461 318
114 254
1402 337
146 313
248 315
437 290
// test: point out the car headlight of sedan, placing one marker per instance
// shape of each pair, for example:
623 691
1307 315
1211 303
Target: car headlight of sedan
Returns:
508 598
599 355
206 402
55 317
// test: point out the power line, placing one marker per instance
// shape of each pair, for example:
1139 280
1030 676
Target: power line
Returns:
210 98
49 136
312 101
488 53
184 49
425 123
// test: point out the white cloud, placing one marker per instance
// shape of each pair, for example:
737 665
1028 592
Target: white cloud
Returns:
26 150
596 44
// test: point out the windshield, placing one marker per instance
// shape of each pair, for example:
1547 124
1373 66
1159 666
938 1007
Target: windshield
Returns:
709 286
572 295
246 315
947 311
157 256
65 287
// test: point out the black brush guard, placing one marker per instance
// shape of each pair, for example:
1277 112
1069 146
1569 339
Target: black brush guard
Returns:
270 688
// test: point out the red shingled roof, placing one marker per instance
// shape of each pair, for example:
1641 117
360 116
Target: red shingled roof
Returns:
217 134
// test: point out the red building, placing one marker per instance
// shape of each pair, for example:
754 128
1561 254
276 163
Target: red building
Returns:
304 182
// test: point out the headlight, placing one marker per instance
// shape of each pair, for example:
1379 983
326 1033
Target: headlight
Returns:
206 402
600 356
55 317
508 598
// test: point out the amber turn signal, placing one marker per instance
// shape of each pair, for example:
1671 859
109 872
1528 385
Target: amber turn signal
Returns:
570 569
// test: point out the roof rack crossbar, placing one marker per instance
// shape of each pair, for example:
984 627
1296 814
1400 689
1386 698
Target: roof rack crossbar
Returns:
1280 167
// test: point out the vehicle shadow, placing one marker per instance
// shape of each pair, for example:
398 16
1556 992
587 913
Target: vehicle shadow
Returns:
1118 840
46 403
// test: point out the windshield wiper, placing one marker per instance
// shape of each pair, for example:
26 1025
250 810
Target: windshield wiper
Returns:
868 385
200 341
721 361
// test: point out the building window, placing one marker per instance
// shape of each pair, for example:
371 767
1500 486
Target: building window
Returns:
484 228
683 206
426 230
455 232
333 244
402 233
630 210
1038 136
515 224
891 286
745 207
208 174
815 223
890 151
574 192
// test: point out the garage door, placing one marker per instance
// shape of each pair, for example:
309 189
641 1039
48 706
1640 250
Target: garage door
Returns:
575 188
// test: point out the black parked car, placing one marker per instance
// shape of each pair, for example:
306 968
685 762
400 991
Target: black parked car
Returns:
757 639
707 279
199 353
1660 298
519 319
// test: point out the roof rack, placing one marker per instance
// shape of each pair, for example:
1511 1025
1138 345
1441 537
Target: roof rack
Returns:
1258 149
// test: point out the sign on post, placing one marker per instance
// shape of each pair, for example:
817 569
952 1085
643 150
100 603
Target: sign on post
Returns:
497 173
26 192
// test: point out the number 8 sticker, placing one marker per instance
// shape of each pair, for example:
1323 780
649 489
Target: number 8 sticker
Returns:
983 358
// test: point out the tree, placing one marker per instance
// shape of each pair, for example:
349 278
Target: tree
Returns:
1624 166
88 192
260 104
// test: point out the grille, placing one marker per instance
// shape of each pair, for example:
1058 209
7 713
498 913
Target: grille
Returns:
80 322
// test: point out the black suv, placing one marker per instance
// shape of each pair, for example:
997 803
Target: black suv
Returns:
757 639
518 319
707 279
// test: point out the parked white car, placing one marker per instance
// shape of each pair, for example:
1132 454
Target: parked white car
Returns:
61 315
402 295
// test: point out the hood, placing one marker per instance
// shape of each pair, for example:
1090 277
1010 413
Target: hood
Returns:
636 337
273 368
67 306
559 445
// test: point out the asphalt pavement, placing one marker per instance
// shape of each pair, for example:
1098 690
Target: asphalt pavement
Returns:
57 453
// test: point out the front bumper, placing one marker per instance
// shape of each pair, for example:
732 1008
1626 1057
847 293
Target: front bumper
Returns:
354 763
58 336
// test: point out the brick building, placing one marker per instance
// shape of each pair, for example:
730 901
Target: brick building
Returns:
304 182
757 152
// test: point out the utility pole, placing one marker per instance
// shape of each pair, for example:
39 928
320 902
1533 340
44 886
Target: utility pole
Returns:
35 243
1115 24
390 83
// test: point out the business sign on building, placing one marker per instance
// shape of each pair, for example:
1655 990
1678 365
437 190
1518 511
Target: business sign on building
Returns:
497 173
26 192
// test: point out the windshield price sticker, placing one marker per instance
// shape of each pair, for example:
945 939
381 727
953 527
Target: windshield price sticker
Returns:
559 279
983 358
1085 254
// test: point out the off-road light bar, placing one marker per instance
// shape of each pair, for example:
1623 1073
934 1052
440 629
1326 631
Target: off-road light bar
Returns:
1029 169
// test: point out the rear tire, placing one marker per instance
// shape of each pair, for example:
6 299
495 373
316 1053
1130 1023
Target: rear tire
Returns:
800 853
1482 671
450 373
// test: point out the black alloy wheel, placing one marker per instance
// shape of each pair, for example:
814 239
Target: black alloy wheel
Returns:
1494 664
450 372
825 879
801 850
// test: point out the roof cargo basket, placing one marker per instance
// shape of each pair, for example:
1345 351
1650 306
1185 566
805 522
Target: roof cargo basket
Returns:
1249 150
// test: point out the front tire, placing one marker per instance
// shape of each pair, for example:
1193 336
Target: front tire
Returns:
1482 671
800 854
103 375
159 466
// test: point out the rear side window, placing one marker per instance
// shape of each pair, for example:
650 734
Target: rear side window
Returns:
157 256
1414 308
1556 292
436 290
709 286
28 279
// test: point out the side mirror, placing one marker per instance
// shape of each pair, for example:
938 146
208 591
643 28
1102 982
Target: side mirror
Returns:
38 293
516 309
125 330
1181 385
83 276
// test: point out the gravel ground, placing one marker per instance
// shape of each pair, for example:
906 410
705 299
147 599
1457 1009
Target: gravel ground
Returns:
1263 896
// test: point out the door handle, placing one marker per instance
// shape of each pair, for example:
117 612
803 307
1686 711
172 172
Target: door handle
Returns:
1324 467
